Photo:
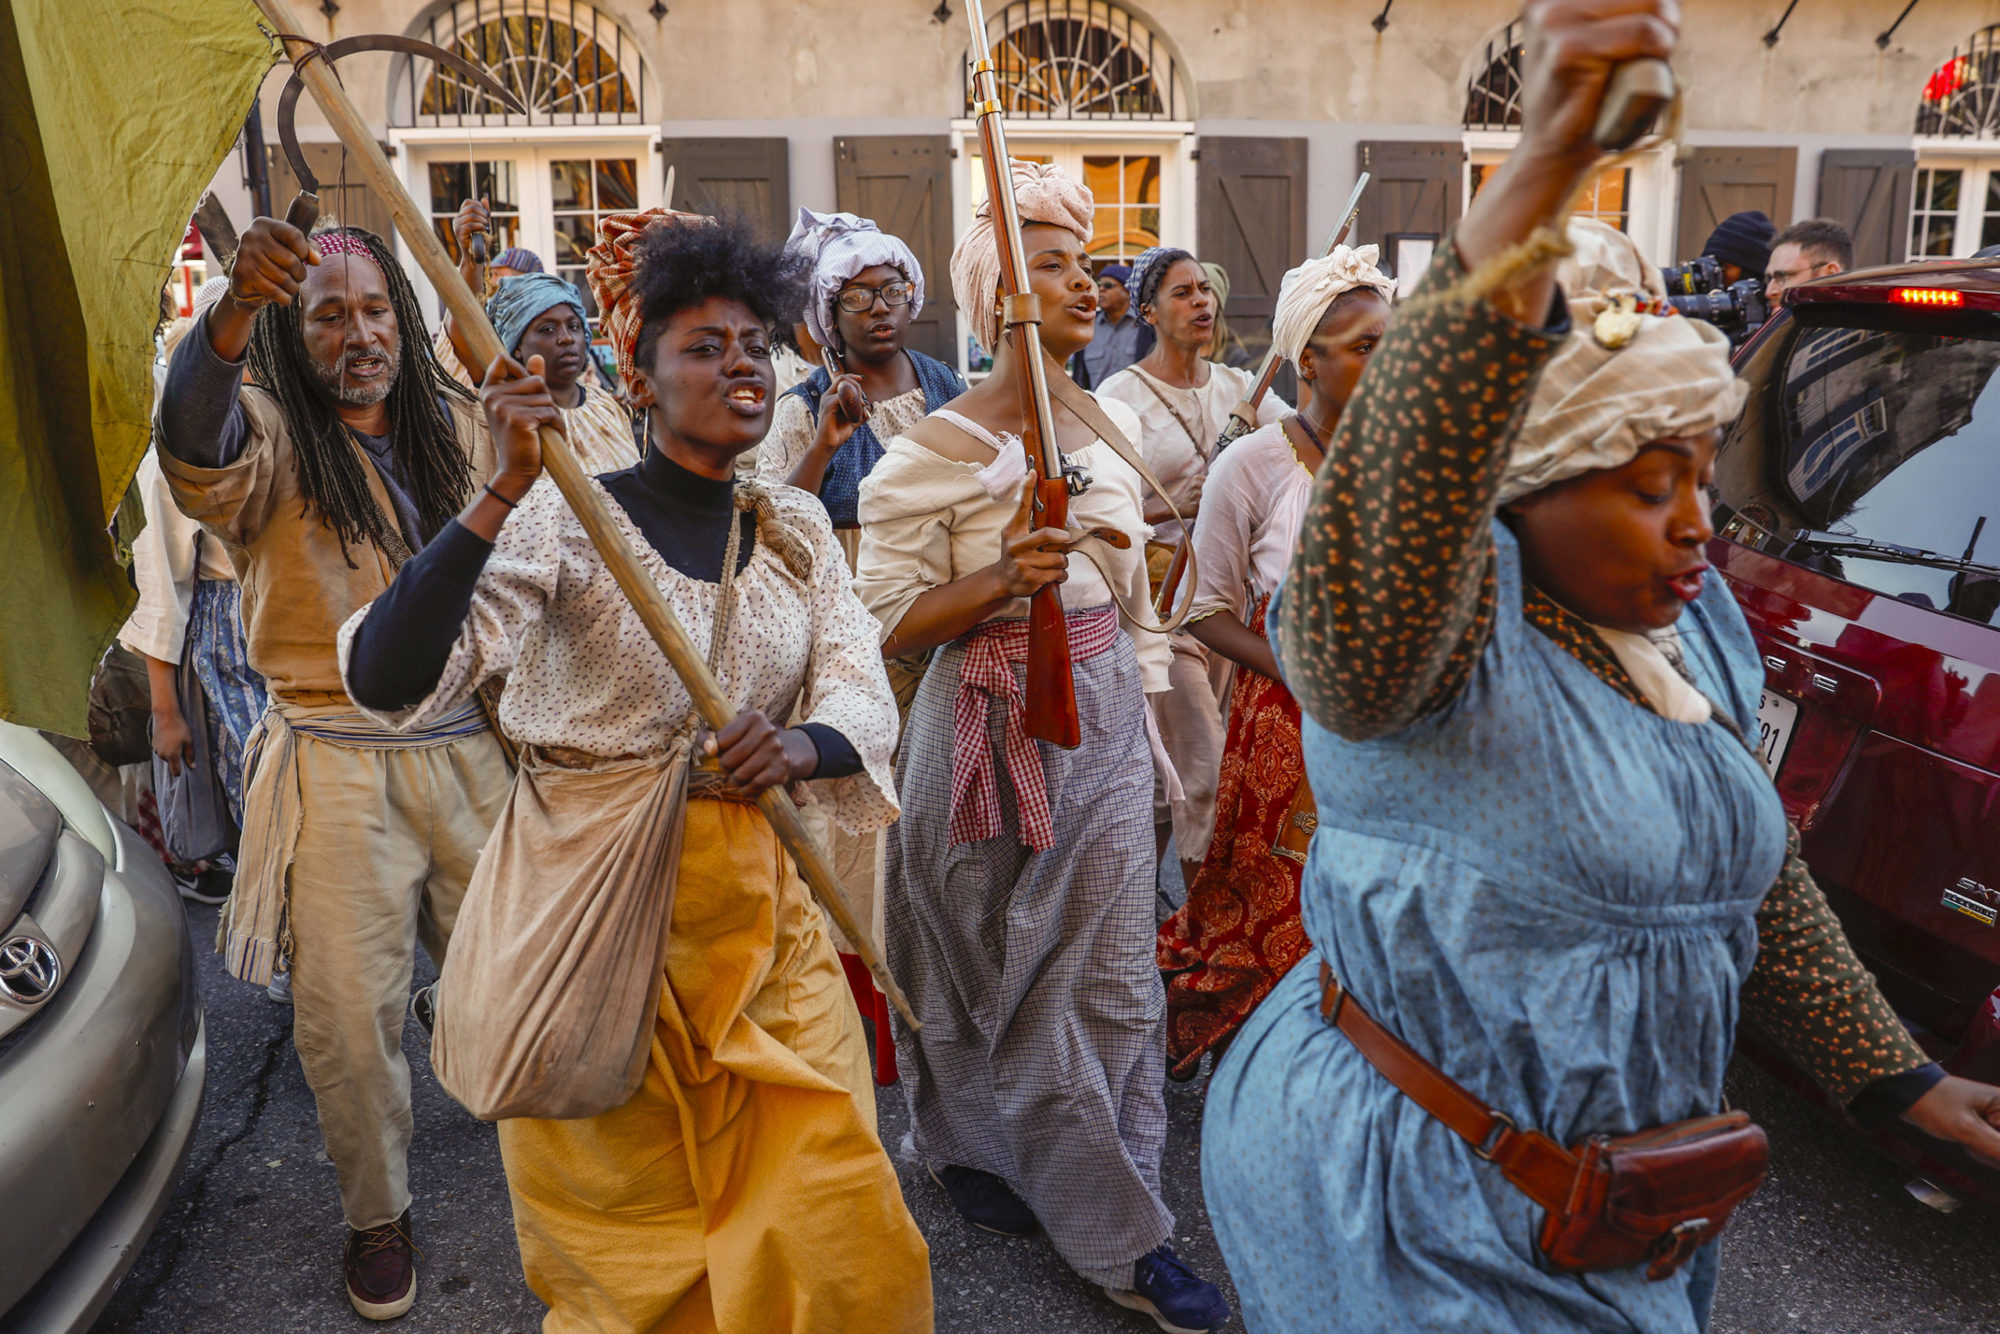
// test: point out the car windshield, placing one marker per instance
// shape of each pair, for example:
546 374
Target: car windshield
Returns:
1873 454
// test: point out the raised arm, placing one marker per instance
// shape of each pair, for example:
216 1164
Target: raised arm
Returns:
1388 601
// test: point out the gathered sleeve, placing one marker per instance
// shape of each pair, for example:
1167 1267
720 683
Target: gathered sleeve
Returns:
163 566
1389 597
791 435
514 589
1815 1001
847 686
1230 507
908 503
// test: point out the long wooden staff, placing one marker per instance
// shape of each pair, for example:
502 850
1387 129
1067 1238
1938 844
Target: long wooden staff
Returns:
561 462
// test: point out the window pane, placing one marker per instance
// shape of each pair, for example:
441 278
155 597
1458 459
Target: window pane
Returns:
1142 180
618 185
569 184
576 275
451 185
1101 176
1940 232
496 182
1944 189
574 236
1893 437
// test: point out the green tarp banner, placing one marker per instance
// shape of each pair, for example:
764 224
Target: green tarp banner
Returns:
114 115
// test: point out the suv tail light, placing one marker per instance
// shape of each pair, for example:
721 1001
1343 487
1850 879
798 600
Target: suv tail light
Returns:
1927 296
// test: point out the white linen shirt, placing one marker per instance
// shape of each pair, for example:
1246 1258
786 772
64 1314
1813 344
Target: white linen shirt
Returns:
163 565
1251 512
927 521
1165 444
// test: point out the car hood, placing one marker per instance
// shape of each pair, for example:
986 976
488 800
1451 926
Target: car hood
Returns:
29 825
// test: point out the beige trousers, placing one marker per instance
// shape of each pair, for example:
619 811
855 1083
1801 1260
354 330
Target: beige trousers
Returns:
387 842
1191 728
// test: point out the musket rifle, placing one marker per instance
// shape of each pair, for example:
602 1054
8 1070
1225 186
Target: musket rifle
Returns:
1050 712
1243 417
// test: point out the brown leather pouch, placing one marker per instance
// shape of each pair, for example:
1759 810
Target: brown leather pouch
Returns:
1657 1196
1296 831
1650 1198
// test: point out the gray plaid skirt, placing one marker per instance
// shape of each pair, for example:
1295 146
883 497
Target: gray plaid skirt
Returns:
1043 1053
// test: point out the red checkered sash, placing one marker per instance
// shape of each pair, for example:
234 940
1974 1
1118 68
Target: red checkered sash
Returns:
987 673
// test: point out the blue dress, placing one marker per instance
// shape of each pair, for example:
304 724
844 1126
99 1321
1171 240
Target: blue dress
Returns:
1549 891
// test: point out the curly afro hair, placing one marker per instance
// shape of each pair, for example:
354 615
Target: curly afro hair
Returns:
681 267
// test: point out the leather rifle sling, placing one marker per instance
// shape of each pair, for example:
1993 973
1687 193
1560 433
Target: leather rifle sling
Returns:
1079 401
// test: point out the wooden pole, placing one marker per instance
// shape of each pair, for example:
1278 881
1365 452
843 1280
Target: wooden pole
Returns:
562 465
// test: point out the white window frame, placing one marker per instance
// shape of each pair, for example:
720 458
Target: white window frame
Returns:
416 148
1651 210
1963 155
1172 140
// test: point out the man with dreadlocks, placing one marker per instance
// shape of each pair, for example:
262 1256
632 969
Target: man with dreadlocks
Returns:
349 452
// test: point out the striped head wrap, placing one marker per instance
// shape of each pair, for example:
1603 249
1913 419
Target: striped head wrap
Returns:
609 267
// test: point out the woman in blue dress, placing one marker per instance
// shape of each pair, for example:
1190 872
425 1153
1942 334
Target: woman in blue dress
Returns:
1545 857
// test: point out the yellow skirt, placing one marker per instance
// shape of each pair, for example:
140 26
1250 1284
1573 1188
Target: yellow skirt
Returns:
743 1187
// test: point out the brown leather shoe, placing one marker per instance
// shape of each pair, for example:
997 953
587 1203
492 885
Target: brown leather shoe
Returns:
382 1270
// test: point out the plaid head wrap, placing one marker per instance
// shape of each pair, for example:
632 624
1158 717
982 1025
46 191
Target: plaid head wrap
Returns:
1625 376
1043 194
1148 272
841 246
340 242
609 268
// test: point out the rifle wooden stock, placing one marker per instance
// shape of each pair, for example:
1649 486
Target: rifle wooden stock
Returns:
562 464
1050 714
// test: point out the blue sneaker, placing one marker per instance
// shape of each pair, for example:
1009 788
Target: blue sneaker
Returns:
1179 1300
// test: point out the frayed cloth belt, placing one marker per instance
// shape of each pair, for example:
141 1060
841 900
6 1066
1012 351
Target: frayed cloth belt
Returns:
255 931
987 673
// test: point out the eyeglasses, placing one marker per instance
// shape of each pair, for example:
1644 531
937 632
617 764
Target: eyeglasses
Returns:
854 300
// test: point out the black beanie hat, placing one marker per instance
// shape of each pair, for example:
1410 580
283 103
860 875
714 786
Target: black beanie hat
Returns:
1743 239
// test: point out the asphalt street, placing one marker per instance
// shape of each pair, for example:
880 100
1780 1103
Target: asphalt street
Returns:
251 1242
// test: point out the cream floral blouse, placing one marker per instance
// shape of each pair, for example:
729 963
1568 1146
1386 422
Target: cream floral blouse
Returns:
583 673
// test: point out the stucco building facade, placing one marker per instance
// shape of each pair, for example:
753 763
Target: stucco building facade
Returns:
1233 127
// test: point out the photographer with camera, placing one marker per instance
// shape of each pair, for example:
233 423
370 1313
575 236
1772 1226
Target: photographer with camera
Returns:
1725 286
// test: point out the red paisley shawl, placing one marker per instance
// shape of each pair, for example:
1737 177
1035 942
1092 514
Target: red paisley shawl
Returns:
1239 931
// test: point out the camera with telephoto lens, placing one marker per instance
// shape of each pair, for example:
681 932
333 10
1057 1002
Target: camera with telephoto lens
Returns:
1699 290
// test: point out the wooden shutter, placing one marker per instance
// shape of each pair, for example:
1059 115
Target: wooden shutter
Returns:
1867 191
1417 188
342 197
749 178
1251 203
903 183
1716 182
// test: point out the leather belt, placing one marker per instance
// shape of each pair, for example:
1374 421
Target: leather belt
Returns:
1538 1167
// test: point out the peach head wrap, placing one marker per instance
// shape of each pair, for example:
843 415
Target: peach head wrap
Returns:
1043 194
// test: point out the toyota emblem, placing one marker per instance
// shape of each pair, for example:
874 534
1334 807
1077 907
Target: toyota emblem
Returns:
29 970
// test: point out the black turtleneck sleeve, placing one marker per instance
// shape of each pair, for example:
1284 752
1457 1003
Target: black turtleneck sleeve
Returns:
401 647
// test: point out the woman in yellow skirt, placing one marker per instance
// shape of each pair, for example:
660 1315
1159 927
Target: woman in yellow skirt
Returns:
718 1169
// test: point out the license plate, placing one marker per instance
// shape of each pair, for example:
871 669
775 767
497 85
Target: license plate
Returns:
1777 719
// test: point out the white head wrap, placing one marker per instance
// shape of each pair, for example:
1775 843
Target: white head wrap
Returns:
1309 289
841 245
1042 193
1625 377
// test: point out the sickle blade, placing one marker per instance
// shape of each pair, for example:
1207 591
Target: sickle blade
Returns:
288 101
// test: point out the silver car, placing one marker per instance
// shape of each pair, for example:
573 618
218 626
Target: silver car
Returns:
101 1042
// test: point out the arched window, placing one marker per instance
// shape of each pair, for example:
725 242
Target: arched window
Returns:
1081 60
1961 99
567 62
1493 95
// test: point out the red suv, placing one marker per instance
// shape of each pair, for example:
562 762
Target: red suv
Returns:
1858 521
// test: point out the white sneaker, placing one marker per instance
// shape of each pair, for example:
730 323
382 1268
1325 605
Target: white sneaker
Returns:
280 990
